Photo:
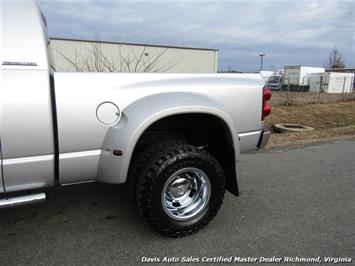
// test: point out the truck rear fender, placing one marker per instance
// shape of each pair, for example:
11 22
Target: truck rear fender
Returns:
139 115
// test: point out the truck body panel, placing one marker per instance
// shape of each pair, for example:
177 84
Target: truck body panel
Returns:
26 129
127 89
62 128
26 121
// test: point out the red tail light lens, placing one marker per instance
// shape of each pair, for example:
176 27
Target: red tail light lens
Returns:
266 106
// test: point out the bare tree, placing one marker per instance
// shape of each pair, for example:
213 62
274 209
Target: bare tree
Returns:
335 60
94 59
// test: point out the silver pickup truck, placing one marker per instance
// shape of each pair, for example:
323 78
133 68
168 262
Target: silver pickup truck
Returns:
174 139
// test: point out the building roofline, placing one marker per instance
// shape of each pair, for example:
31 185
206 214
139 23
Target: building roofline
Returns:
340 69
137 44
294 66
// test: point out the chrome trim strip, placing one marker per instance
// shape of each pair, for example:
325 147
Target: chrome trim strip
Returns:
78 183
40 158
250 133
79 154
22 200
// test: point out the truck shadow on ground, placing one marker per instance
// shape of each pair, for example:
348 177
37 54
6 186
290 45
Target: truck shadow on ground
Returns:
82 206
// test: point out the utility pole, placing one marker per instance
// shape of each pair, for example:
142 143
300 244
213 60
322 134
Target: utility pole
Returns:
261 61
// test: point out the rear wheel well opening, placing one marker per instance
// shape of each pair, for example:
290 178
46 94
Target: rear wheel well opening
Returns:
201 130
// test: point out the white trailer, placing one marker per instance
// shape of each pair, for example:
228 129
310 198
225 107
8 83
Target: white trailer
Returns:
331 82
298 76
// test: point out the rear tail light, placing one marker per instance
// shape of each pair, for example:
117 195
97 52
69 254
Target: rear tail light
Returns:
266 106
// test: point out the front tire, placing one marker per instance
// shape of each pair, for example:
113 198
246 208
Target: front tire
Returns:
179 188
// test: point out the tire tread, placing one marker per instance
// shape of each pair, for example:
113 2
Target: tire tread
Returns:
143 176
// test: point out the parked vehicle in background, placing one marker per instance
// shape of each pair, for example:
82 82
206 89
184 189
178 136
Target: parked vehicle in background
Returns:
175 138
275 82
265 74
331 82
296 78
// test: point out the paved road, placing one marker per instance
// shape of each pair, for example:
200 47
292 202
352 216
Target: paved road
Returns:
294 202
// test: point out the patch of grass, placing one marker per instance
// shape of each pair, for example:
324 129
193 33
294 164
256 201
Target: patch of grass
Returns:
321 135
319 116
330 120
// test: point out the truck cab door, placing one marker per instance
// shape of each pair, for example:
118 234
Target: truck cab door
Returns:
26 124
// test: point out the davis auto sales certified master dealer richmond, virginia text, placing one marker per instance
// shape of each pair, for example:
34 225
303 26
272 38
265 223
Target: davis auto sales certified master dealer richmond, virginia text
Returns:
231 259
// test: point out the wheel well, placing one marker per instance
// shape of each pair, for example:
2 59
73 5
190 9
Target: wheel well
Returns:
202 130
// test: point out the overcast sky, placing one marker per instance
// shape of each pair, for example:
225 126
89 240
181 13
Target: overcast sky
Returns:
288 32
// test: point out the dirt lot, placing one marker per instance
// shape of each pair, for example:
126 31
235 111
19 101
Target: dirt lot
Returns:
331 121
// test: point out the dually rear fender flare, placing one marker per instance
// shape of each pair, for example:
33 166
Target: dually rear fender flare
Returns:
141 114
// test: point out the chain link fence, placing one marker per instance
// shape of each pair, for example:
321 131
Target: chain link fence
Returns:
309 89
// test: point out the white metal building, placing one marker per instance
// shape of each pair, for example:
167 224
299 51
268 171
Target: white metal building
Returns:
101 56
331 82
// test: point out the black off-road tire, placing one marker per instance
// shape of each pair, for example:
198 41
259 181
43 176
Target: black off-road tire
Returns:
139 164
154 167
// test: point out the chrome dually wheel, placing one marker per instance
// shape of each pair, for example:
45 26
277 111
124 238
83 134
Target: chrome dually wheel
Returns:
186 193
179 188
